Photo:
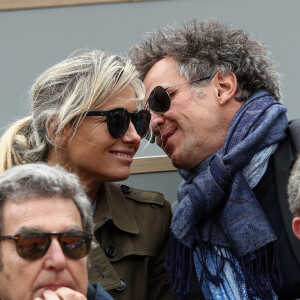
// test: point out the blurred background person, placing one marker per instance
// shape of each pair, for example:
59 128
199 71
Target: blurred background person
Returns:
294 197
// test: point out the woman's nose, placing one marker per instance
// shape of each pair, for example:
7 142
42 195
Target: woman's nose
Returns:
131 135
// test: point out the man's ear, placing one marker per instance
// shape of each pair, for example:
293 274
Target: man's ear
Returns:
296 226
59 140
226 85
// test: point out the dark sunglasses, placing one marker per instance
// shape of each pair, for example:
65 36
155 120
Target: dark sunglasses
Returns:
33 245
159 100
118 120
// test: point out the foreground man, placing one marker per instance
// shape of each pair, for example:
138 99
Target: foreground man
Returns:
45 235
213 92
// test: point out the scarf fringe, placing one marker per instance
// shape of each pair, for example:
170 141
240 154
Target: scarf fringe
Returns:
204 251
263 274
179 265
260 270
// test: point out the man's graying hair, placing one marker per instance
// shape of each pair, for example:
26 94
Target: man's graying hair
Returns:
202 48
39 180
294 189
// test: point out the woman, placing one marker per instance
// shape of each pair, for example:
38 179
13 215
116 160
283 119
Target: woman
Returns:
86 118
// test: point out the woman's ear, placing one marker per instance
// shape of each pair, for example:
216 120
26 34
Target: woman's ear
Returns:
226 85
296 226
59 140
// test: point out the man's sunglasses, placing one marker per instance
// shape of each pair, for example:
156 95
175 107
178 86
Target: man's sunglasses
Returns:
33 245
159 100
118 120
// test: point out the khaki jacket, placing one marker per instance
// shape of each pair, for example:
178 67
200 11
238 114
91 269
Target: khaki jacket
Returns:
131 232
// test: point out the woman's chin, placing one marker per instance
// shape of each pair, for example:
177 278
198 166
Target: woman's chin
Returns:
121 176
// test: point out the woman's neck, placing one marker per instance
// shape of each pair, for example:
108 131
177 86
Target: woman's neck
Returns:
91 184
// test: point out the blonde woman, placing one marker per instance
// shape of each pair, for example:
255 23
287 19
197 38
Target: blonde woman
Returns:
87 117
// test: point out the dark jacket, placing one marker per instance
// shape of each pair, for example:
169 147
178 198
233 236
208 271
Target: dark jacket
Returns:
132 231
97 292
271 192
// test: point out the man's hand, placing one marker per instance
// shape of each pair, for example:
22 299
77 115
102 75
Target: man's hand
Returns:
61 294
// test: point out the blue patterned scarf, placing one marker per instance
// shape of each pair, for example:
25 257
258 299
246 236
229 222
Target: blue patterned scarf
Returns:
219 208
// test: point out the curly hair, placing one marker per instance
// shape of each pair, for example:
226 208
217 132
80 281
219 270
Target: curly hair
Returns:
202 48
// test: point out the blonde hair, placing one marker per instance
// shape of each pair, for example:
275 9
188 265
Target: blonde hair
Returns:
63 93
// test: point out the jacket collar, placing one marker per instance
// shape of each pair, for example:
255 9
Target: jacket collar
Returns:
112 205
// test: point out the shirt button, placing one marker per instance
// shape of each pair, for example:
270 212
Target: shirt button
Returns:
110 251
122 285
125 189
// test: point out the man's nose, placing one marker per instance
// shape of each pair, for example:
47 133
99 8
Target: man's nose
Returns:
55 257
156 121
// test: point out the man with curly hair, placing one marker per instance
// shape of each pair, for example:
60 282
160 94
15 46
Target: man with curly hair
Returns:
214 96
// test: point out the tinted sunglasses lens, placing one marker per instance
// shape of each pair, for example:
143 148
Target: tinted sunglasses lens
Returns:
75 245
32 245
159 100
118 123
141 121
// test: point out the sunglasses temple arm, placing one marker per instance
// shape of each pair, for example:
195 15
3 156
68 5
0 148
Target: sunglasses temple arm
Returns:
146 105
200 79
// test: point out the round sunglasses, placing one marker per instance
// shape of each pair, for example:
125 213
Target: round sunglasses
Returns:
159 100
33 245
118 120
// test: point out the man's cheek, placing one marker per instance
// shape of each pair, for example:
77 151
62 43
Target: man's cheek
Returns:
159 141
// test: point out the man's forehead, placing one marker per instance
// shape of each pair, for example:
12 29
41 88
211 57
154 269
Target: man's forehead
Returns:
167 64
164 73
44 214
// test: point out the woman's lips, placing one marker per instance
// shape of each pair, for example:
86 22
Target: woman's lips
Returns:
122 154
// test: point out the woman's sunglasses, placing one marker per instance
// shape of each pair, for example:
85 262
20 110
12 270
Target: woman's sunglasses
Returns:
159 100
118 120
33 245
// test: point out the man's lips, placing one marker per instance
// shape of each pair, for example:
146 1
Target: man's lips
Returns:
51 287
166 137
54 285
